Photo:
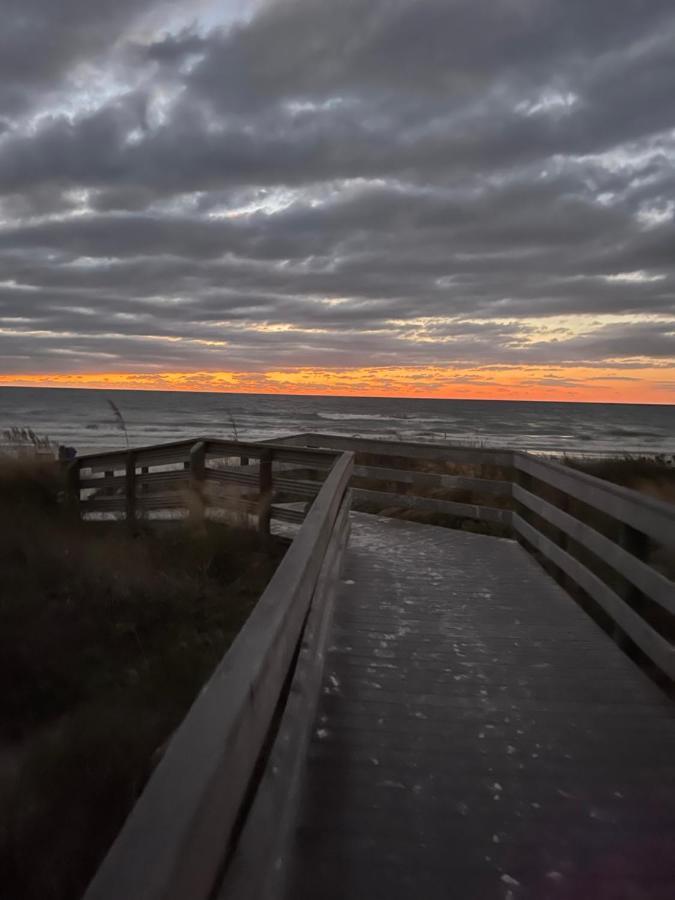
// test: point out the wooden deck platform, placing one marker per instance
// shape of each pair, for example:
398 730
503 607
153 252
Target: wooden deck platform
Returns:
478 736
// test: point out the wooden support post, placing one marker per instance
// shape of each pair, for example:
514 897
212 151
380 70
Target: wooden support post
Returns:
109 492
637 544
265 492
197 466
73 488
130 489
244 460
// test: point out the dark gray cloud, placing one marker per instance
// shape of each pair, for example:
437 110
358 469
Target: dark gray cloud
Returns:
380 181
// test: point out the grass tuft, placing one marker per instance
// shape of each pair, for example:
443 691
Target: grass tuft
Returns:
105 639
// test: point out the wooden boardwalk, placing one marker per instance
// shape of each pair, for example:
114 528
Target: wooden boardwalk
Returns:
478 736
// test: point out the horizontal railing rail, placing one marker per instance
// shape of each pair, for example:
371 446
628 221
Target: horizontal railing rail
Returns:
220 803
597 534
408 449
378 466
201 477
603 536
176 840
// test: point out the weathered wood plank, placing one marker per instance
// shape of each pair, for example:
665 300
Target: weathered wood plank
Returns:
440 452
445 507
291 485
647 639
433 480
652 583
130 487
156 481
103 504
650 516
174 841
166 453
475 778
284 514
73 491
268 833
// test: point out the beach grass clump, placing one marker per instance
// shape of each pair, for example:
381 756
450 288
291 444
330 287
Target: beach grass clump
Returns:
652 475
389 485
106 637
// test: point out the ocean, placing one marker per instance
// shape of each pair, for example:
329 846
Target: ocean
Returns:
85 420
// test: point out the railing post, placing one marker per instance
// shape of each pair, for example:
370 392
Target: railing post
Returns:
73 488
265 492
197 467
637 544
130 488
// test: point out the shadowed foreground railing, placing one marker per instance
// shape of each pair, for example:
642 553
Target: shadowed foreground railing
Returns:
613 543
176 841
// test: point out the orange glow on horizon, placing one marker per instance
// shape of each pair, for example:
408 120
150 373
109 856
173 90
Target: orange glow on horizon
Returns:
629 384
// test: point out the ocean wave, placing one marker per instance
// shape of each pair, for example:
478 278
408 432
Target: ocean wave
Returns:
348 417
623 431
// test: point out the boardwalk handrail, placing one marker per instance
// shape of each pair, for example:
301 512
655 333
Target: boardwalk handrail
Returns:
375 471
575 505
622 549
181 475
175 841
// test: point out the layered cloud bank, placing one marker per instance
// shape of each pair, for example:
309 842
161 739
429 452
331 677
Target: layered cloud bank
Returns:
427 197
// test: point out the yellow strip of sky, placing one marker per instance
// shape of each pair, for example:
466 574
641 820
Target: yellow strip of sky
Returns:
627 384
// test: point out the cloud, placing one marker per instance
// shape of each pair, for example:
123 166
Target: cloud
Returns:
430 188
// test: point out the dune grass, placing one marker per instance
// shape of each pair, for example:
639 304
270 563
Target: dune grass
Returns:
105 639
653 475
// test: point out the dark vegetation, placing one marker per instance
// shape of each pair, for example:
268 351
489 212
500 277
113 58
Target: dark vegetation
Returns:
106 637
438 467
654 476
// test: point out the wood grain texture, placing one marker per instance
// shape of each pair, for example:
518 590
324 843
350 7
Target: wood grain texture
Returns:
259 866
434 480
432 504
657 648
478 736
411 449
652 583
646 514
176 838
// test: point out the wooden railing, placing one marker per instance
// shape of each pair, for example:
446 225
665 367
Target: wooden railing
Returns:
231 771
398 463
602 537
203 477
257 704
615 544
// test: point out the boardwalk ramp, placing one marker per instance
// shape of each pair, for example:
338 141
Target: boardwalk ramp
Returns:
478 736
422 712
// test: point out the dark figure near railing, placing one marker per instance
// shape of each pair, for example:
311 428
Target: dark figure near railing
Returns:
66 454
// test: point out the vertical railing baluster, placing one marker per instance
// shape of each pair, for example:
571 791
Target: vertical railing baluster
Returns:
637 544
130 489
265 492
197 467
73 488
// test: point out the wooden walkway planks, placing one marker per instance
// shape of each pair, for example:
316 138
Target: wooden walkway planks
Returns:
478 736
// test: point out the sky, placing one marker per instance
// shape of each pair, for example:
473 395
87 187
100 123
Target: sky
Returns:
451 198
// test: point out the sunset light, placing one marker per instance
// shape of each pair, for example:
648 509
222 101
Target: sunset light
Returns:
598 384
